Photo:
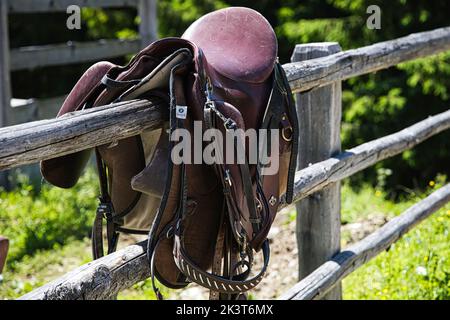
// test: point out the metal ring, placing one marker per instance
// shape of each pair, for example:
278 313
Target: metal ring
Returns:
258 204
283 133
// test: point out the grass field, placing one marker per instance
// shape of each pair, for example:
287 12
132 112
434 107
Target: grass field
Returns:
49 236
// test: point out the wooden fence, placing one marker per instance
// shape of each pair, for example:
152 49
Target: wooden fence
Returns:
315 75
15 111
38 56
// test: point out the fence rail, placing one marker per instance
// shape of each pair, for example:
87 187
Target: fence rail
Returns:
318 175
306 75
39 140
319 282
103 278
72 52
33 6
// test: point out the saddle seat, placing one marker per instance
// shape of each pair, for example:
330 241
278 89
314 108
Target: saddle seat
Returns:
229 38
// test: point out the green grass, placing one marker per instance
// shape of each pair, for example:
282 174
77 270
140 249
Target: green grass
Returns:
45 265
415 267
48 238
46 219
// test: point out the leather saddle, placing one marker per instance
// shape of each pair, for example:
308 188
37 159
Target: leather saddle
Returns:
204 219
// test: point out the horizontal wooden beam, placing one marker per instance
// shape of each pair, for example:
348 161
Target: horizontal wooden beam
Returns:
39 140
34 6
319 282
313 73
34 141
319 175
100 279
72 52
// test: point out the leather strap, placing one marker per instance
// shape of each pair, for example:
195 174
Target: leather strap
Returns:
176 95
236 285
218 254
120 84
105 210
283 85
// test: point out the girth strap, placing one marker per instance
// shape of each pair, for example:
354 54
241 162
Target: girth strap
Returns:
105 210
236 285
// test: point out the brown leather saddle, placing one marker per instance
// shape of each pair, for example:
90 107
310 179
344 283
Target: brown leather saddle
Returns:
204 219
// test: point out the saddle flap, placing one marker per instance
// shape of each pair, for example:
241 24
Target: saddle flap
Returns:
65 171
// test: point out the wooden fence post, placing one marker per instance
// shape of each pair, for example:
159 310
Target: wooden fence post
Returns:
148 28
318 216
5 83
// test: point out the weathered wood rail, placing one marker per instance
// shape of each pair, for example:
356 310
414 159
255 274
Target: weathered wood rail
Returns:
31 57
103 278
319 282
15 111
71 52
27 6
313 73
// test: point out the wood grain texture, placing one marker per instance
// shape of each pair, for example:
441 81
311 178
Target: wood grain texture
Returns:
39 140
313 73
319 111
318 283
33 6
72 52
99 279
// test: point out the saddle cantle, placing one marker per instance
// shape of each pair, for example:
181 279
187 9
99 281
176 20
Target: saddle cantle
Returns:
204 219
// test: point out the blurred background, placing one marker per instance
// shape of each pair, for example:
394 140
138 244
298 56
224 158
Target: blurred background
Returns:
374 105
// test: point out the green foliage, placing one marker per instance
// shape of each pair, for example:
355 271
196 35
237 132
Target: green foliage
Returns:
112 23
46 220
35 270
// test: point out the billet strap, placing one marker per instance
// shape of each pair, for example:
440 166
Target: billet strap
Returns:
105 210
218 254
120 84
176 97
283 86
239 148
97 236
236 285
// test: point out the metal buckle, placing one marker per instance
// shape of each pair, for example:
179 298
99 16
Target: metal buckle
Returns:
228 177
287 138
106 210
208 90
230 124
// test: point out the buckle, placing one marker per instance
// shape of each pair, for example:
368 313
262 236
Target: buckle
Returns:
287 133
106 210
228 177
229 124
